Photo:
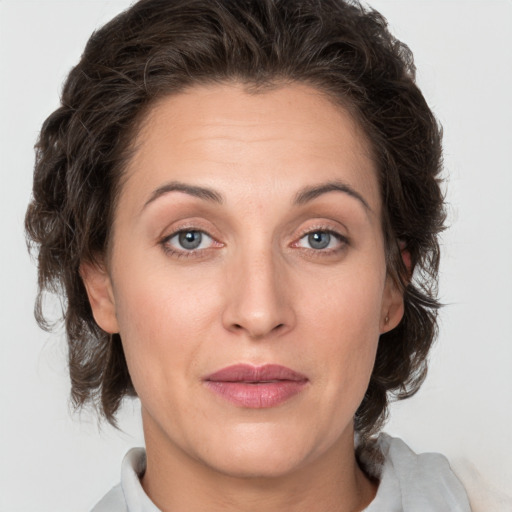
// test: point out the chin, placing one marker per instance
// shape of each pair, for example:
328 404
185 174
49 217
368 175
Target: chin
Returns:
256 452
259 465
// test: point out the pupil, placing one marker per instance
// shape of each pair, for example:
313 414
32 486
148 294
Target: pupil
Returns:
319 240
190 239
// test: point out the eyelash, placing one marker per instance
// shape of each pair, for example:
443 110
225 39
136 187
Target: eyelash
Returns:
184 253
342 240
194 253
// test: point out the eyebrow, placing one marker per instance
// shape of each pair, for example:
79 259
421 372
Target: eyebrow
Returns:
193 190
309 193
303 196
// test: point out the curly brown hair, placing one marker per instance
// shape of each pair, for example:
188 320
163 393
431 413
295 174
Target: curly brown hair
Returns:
161 47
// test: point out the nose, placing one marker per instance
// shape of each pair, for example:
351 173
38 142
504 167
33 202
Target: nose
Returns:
259 301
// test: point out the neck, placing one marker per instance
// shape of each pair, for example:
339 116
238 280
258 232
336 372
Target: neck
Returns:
177 482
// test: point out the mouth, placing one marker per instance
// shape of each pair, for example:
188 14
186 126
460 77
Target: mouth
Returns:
256 387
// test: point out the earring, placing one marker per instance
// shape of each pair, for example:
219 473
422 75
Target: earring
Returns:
386 320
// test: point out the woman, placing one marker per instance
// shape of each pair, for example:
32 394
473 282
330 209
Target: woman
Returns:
241 203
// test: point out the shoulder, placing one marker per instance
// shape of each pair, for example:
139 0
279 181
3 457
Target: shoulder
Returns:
410 481
113 501
128 495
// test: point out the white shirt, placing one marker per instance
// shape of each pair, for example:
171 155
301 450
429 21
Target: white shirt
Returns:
408 483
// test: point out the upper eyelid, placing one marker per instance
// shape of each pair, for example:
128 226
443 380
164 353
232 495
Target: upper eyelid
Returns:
186 230
336 234
187 225
323 229
165 239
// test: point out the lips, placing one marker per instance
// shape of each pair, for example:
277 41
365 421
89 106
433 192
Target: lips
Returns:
256 387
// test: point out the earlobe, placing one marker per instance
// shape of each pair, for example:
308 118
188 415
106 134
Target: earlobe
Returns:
101 297
392 307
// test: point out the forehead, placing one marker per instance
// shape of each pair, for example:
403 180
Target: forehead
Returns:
223 136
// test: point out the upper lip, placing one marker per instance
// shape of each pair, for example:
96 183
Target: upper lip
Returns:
250 373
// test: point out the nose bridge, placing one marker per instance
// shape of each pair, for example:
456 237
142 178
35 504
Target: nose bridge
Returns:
258 303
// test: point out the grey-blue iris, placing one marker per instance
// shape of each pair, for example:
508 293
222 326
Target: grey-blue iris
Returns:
190 239
319 240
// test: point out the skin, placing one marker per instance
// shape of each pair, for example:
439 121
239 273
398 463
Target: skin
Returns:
256 291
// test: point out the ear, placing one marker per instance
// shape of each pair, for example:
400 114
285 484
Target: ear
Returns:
101 297
406 258
392 306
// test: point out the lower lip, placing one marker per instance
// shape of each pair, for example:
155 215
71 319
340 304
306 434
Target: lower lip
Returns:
258 395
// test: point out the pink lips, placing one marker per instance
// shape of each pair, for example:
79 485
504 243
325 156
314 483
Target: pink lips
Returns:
256 387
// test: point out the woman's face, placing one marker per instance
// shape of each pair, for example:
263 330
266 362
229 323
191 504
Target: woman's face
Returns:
248 235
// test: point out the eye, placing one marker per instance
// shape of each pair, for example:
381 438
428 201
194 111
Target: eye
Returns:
189 240
321 240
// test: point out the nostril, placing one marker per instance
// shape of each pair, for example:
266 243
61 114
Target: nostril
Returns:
240 327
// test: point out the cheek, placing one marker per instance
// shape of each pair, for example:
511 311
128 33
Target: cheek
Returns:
163 321
348 303
344 321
